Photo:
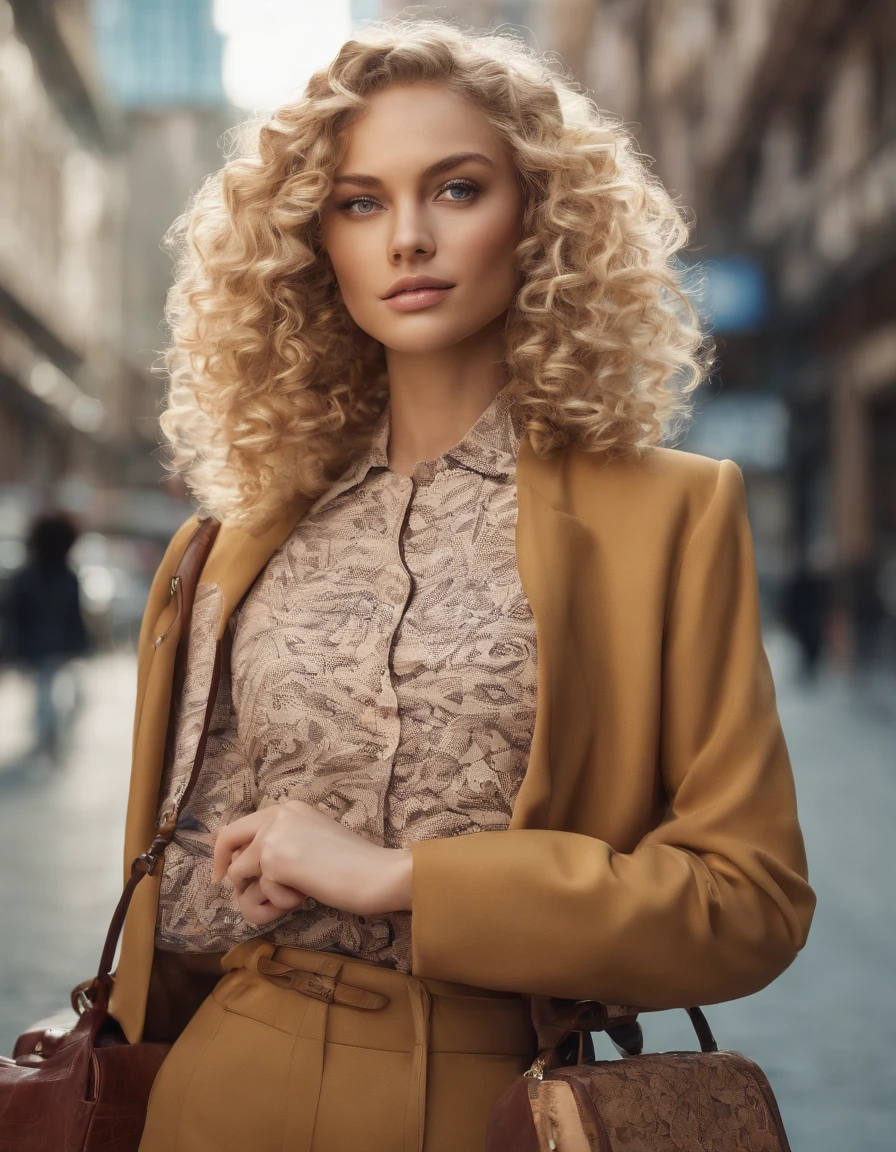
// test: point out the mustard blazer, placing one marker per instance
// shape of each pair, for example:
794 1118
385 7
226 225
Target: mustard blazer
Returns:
654 856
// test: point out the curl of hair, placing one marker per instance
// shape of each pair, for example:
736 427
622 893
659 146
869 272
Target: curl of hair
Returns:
272 386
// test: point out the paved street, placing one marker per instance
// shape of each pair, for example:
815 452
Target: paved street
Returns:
823 1032
60 844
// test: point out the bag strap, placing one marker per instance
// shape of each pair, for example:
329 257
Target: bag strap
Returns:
94 993
556 1021
628 1040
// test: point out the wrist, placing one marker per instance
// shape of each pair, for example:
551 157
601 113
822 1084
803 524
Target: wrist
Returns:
402 866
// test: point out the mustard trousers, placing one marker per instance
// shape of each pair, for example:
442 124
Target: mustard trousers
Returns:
304 1051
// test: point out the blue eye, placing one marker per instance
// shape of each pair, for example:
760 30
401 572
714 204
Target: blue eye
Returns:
469 187
463 186
363 200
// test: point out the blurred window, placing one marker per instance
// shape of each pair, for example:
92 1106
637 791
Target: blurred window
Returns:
883 89
750 429
159 52
724 17
39 200
808 133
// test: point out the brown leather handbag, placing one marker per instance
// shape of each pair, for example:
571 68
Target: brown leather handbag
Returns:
85 1089
706 1101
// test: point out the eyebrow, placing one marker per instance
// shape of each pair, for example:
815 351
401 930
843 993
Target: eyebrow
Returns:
443 165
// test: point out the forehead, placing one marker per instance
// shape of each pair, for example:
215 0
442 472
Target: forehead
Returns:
412 125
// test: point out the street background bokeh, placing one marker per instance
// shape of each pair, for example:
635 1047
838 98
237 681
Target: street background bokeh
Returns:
774 123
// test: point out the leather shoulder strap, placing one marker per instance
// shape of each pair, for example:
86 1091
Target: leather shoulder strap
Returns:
183 584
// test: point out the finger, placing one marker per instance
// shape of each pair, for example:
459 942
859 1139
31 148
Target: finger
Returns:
226 850
282 896
251 896
246 867
255 908
233 836
236 855
251 901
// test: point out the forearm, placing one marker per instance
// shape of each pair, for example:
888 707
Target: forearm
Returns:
561 914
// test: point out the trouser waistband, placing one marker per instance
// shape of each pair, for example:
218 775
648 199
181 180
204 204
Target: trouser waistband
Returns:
329 980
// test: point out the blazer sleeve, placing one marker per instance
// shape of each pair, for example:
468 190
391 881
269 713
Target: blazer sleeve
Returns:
713 903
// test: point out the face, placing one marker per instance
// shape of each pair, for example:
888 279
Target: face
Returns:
425 191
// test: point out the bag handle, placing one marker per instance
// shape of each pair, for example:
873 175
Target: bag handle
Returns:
557 1021
94 993
628 1039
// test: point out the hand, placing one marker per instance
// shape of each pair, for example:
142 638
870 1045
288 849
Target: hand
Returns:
260 902
281 854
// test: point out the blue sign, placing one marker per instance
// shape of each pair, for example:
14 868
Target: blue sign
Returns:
730 294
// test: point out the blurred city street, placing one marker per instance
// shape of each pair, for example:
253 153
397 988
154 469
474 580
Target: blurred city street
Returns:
772 125
822 1032
61 829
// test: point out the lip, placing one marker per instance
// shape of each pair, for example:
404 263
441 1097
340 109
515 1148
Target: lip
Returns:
408 283
411 300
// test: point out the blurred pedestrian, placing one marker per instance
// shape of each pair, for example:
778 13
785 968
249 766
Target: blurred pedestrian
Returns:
804 612
44 629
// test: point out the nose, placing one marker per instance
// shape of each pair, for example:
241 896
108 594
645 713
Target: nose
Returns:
411 234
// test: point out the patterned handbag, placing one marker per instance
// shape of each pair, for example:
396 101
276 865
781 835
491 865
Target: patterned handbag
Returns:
85 1089
706 1101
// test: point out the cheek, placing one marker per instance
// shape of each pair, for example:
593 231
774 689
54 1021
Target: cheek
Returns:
347 247
486 250
348 259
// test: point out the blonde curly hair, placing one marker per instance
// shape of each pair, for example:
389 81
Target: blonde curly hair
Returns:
273 388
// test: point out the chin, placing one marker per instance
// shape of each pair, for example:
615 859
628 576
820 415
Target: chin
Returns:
426 335
422 343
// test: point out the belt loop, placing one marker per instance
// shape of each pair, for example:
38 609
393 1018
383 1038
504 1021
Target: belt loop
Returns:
248 954
415 1114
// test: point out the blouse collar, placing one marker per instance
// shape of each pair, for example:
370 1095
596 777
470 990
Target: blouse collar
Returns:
490 447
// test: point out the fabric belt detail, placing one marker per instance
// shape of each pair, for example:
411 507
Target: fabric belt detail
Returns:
323 989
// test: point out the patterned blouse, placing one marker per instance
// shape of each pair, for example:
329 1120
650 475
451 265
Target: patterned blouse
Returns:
383 669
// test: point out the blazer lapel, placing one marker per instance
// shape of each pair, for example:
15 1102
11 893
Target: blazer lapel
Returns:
558 562
238 556
235 560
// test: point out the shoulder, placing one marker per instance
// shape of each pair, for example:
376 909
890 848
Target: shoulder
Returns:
660 472
665 489
176 546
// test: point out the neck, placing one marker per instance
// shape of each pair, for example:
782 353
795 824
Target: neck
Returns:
436 397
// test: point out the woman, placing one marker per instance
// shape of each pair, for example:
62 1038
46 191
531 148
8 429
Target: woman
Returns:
489 710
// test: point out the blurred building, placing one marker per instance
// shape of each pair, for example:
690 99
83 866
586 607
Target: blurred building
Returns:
161 63
64 427
111 113
775 120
